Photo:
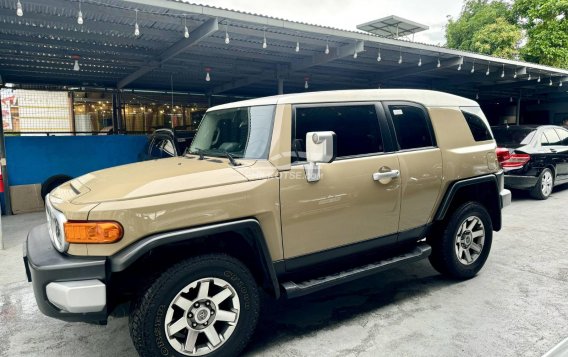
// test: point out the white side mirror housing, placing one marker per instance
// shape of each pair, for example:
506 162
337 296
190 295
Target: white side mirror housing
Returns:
321 147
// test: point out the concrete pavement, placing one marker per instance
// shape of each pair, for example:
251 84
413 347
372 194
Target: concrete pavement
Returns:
516 306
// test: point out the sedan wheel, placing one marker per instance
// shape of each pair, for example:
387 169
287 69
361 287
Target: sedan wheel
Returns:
544 185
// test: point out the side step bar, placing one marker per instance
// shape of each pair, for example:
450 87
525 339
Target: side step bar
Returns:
293 289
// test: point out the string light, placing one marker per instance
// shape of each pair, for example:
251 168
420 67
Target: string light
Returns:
207 75
538 80
76 67
264 44
438 64
80 15
355 51
326 46
473 67
19 10
550 83
185 29
297 44
460 66
560 83
136 27
419 60
515 75
379 55
503 72
488 71
306 85
227 39
400 56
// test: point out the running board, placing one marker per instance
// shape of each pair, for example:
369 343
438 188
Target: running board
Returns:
293 289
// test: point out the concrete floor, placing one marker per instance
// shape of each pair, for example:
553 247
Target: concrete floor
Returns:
516 306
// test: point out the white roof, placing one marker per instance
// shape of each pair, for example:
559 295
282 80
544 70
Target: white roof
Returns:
427 98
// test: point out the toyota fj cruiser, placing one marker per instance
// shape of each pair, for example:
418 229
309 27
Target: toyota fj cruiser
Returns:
288 195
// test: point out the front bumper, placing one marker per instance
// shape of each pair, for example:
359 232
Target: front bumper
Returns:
65 287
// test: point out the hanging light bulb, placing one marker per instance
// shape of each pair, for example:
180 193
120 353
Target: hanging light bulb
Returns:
477 96
19 10
560 83
264 44
76 66
487 72
80 15
227 39
326 46
185 29
400 56
379 55
503 72
550 83
136 27
297 46
438 64
511 100
529 76
460 67
207 75
538 80
515 75
473 67
306 85
420 61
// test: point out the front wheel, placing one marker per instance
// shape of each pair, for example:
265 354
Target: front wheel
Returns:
543 187
464 242
204 306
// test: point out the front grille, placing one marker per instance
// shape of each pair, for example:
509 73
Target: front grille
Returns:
55 222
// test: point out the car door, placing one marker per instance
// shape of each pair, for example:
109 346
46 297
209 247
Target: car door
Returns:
562 151
554 152
343 211
421 166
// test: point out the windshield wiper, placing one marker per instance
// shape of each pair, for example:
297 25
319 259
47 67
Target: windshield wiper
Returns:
231 159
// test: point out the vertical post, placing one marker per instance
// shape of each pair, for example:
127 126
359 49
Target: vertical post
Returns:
209 100
518 111
280 86
116 113
71 97
3 169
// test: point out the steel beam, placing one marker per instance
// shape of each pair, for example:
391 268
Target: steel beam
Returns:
204 30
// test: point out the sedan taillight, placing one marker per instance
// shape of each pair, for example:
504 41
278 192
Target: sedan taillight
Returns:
509 160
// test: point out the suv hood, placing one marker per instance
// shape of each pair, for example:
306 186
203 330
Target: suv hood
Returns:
152 178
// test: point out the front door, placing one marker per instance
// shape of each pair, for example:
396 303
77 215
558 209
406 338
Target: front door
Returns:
347 205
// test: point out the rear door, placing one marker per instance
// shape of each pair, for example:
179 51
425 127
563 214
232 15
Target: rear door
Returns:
562 152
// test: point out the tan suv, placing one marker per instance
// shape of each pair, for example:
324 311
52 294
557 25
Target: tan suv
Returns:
288 195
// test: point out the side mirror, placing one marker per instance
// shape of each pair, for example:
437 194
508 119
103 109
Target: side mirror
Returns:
321 147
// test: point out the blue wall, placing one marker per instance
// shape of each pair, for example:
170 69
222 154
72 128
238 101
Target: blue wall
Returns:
32 159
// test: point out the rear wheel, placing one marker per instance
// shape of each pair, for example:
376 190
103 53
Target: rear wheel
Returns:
544 185
462 245
204 306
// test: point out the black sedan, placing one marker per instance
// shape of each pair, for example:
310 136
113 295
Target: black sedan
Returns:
534 158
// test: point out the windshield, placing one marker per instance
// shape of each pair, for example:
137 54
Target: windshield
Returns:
513 137
242 132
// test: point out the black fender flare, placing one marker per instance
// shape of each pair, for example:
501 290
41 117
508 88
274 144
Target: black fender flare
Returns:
249 229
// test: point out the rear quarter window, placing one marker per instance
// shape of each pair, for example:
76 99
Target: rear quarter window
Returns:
479 128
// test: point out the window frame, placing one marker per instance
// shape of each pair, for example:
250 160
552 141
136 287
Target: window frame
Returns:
416 105
388 144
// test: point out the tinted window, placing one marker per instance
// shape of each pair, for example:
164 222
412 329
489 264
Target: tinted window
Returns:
411 126
513 136
479 130
551 136
563 134
356 128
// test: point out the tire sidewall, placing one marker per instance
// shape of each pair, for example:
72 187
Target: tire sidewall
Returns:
235 275
538 187
457 268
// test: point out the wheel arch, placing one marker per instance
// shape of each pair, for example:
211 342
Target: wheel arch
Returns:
241 239
482 189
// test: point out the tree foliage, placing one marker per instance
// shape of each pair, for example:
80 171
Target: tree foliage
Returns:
546 29
486 27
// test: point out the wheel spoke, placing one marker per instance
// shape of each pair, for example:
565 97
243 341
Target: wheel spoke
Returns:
212 335
221 296
203 290
473 223
467 255
478 234
177 326
182 303
190 340
476 247
223 315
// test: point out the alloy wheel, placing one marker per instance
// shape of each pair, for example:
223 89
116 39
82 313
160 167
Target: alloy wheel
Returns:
469 240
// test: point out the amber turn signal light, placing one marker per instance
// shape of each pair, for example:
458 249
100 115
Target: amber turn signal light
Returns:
93 232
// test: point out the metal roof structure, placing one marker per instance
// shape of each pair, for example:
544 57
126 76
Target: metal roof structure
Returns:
392 26
41 46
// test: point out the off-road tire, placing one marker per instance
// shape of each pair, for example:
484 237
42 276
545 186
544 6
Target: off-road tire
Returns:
444 257
54 181
539 191
148 312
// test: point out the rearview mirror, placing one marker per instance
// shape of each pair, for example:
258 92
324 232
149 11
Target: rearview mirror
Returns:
321 147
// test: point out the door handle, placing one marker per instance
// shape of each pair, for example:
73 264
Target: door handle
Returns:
378 176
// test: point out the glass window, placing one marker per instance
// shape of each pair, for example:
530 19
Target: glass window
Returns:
563 134
243 132
411 126
513 136
551 136
478 128
356 128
